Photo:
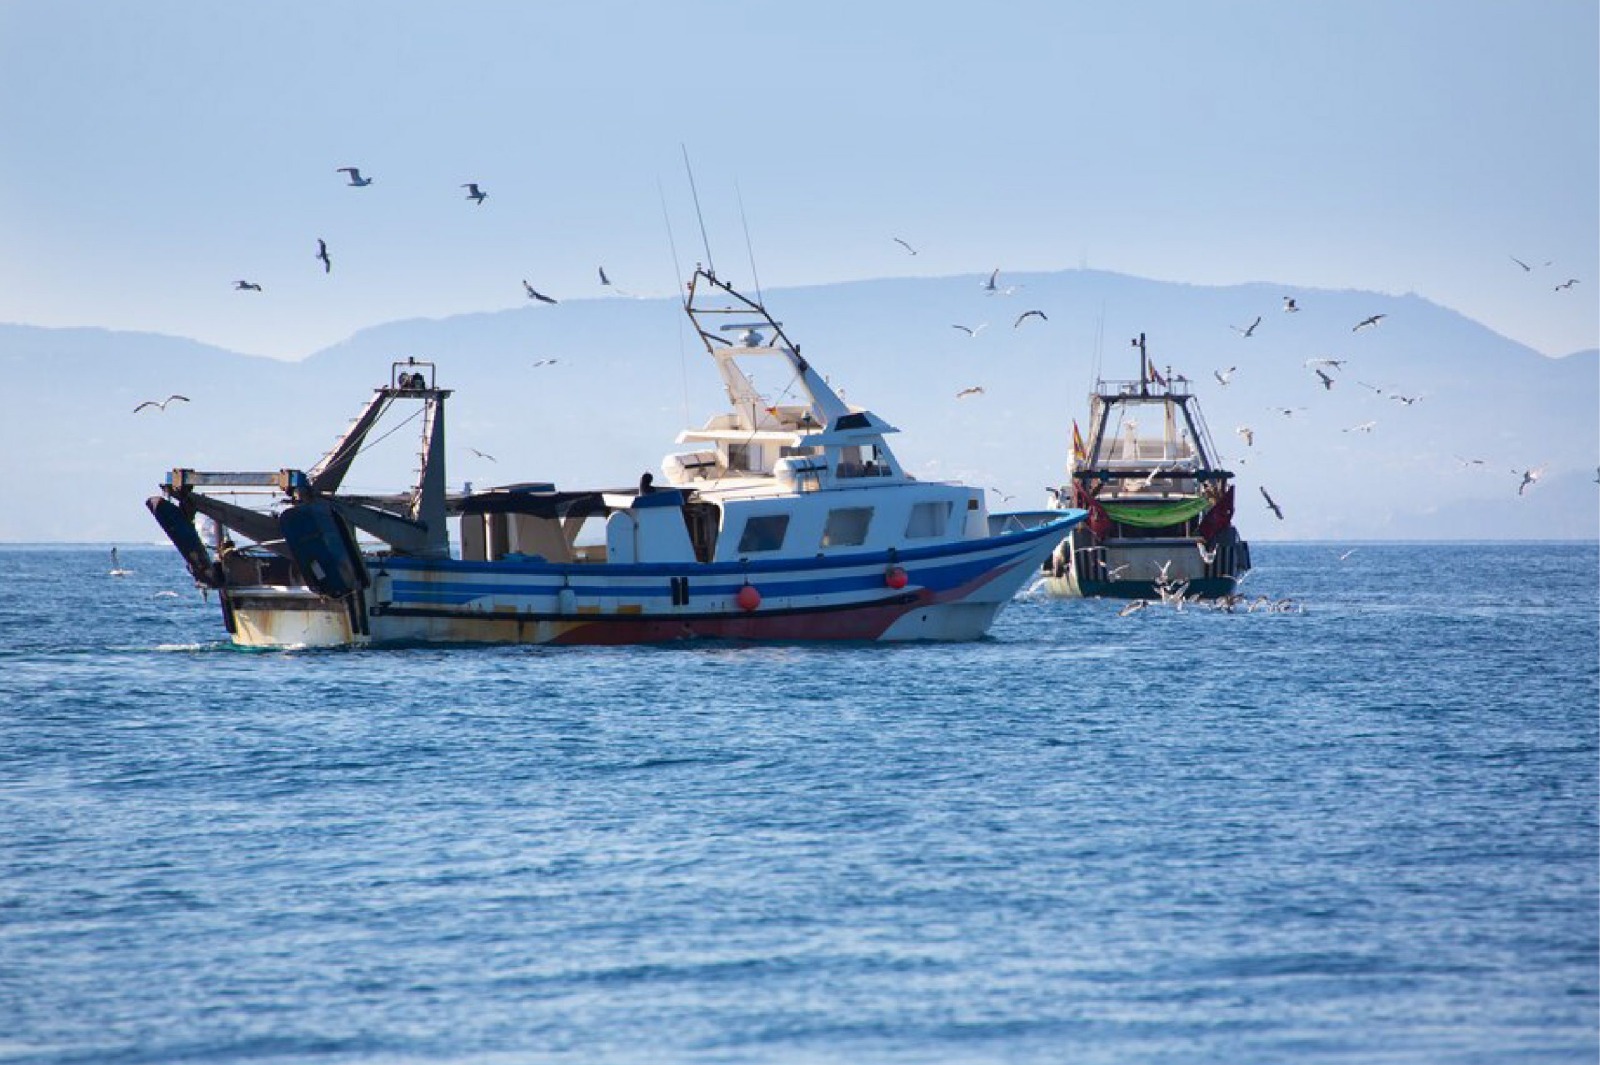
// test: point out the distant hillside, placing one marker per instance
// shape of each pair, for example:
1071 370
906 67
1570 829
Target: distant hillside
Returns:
628 374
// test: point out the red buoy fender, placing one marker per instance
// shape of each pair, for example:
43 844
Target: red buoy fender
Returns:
895 578
748 598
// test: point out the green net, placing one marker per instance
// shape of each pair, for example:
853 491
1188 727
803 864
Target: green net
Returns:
1155 515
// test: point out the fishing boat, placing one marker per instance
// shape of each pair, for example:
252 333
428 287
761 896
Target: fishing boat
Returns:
1159 504
785 518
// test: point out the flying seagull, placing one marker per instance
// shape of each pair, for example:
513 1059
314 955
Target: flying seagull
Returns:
992 286
1288 412
1030 314
1247 330
1327 382
161 404
1348 553
1224 376
970 330
474 193
1525 267
1270 504
1364 427
1248 433
1528 477
355 175
1365 322
322 253
1335 363
1407 400
906 246
1133 607
534 294
246 286
1568 283
975 390
604 280
1290 305
482 455
545 362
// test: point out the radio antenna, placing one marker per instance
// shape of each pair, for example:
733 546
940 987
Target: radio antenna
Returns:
702 219
748 247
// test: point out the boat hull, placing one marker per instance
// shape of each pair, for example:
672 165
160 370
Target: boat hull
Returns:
1084 566
949 591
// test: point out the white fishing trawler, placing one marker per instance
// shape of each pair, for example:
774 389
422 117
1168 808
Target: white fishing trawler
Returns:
1160 505
786 518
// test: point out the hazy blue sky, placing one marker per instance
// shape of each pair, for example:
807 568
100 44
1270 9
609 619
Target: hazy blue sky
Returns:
152 153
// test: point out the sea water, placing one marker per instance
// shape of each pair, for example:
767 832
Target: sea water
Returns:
1359 830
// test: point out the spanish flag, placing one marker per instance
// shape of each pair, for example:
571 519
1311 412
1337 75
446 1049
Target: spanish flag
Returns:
1079 452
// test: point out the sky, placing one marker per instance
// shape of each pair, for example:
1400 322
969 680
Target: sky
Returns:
153 153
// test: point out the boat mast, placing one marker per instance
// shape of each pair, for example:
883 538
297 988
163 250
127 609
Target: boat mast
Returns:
1144 378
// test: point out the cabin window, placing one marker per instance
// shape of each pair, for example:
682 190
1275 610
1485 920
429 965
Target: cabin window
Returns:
861 461
739 457
846 527
928 519
763 533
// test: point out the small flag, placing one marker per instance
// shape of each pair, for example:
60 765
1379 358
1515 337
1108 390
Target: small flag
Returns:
1155 375
1079 452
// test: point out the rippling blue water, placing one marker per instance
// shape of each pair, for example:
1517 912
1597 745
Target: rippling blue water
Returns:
1363 833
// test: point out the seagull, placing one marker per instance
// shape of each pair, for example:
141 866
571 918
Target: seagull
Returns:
1337 364
1117 571
533 294
1005 497
1375 388
1525 267
1224 376
1365 322
545 362
1469 462
1348 553
482 455
1327 382
1150 478
1407 400
1528 477
975 390
322 253
992 285
1206 556
1030 314
1248 433
1133 607
355 176
246 286
1287 412
906 246
971 331
161 404
604 280
116 566
1364 427
1270 504
474 193
1247 330
1289 304
1568 283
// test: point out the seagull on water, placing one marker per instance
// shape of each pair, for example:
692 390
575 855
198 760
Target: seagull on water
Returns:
534 294
1247 330
1030 314
160 404
1272 506
1365 322
322 253
246 286
906 246
474 193
355 176
1348 553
